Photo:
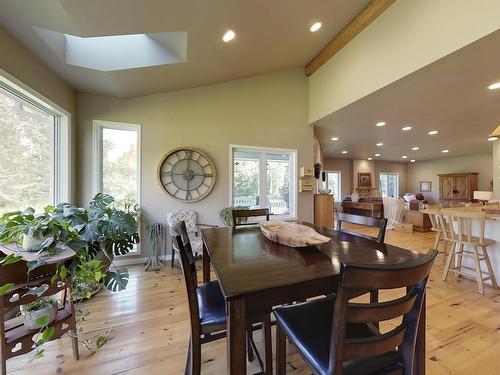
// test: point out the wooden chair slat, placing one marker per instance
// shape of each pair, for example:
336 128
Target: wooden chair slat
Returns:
369 221
248 213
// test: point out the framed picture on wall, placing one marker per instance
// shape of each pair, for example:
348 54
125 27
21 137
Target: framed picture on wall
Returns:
364 180
425 186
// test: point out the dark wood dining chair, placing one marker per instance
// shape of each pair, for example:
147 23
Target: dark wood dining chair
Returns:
337 337
377 222
207 310
239 214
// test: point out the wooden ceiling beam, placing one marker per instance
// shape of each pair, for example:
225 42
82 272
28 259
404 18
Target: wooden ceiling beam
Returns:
358 24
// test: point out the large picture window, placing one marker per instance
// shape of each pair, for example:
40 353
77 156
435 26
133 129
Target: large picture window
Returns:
264 177
32 151
389 184
333 182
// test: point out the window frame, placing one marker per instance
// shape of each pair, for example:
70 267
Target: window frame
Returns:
392 174
62 178
263 181
339 198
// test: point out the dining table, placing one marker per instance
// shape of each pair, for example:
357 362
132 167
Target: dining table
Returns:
256 274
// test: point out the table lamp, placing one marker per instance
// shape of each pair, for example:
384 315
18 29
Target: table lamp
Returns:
483 196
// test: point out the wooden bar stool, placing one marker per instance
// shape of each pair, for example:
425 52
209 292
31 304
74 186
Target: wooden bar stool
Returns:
436 227
457 227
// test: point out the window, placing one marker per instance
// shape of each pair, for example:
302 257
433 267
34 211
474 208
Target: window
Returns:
389 184
333 181
117 150
264 177
34 155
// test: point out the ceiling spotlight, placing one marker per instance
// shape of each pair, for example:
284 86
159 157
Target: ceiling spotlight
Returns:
445 151
412 161
494 86
491 139
433 132
344 152
370 158
377 154
406 128
404 157
315 27
335 138
228 36
381 123
415 148
380 144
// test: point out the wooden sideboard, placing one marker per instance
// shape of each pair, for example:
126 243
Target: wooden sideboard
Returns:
375 208
457 187
323 210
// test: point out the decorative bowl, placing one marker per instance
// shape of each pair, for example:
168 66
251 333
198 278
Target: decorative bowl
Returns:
291 234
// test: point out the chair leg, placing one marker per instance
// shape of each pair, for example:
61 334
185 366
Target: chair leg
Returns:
250 352
479 274
460 257
448 262
172 261
280 351
193 361
268 345
490 268
437 240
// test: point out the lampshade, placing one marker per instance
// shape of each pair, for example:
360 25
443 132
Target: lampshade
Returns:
483 195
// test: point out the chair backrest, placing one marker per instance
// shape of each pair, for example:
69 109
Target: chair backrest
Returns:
183 245
247 213
369 221
413 275
434 218
457 225
188 216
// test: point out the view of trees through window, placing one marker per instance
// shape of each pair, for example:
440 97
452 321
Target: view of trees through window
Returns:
389 184
259 171
333 183
26 155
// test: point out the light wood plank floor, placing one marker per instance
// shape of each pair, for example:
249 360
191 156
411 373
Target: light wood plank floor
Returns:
150 328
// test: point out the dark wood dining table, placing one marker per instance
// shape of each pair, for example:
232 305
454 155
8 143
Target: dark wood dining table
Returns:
256 274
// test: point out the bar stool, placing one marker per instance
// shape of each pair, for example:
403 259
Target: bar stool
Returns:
436 227
457 226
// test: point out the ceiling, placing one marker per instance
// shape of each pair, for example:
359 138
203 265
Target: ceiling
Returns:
271 35
449 95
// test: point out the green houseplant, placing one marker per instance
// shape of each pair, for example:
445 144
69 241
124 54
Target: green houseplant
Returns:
34 313
226 215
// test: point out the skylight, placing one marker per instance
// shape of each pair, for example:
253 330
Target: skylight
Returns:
118 52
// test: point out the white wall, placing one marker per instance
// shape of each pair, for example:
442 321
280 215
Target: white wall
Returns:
409 35
268 110
429 170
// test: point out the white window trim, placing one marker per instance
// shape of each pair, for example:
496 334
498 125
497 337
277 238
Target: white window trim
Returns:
97 127
293 177
397 181
339 199
62 185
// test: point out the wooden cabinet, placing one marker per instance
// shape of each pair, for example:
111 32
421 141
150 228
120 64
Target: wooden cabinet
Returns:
374 209
323 210
458 187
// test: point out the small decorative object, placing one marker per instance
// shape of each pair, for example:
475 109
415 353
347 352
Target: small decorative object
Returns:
317 170
306 172
325 191
187 174
355 197
291 234
39 313
483 196
32 242
323 176
425 186
155 245
364 179
306 186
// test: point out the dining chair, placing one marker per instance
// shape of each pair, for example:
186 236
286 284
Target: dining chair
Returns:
377 222
240 216
457 227
335 336
207 311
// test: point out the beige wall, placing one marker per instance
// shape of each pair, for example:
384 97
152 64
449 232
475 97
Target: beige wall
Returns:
409 35
429 170
268 110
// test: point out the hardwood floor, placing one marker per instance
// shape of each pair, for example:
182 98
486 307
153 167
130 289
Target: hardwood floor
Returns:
149 323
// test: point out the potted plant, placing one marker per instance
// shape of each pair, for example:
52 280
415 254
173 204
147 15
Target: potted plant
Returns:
226 215
39 313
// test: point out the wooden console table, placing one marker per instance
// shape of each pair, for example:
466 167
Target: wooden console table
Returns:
374 209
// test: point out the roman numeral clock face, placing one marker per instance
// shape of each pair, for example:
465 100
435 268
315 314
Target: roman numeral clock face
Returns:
187 174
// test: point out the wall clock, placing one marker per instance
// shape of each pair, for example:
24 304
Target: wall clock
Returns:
187 174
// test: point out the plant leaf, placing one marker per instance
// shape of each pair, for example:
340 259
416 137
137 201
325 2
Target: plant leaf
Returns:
101 340
10 259
47 333
42 321
116 281
4 289
35 264
102 200
37 291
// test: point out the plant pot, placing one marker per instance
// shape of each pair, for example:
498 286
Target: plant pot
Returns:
30 316
32 243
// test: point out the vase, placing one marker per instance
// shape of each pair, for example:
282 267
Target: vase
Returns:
31 316
355 197
32 243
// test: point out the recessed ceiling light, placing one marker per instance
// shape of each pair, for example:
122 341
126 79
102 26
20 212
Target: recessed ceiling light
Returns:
433 132
491 139
415 148
335 138
404 157
494 86
406 128
228 36
380 144
370 158
344 152
412 161
445 151
377 154
381 123
315 27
